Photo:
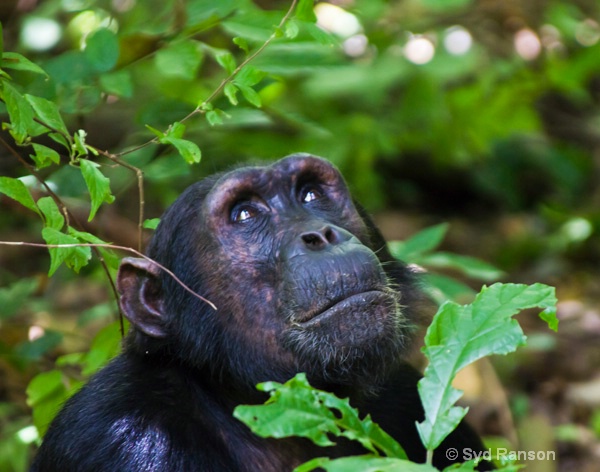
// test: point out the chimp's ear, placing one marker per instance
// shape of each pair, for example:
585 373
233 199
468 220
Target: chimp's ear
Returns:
141 295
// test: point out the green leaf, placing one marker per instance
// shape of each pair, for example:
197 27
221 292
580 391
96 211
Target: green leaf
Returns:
14 297
215 117
305 11
13 60
470 266
108 255
251 95
230 91
48 113
117 83
292 29
424 241
462 334
44 156
446 5
73 257
15 189
187 149
241 43
97 184
79 148
31 351
367 463
19 112
45 395
53 217
102 50
155 131
151 223
297 409
105 346
226 61
442 288
181 59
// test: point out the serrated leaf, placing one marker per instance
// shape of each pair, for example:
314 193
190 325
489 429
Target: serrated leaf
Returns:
97 184
462 334
297 409
15 189
102 50
15 61
53 218
73 257
230 91
367 463
424 241
44 156
19 111
48 113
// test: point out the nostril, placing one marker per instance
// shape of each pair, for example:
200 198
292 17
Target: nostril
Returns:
314 240
330 235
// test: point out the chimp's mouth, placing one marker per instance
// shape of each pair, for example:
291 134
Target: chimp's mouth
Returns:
336 308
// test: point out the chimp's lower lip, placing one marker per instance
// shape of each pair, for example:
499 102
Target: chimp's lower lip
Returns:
363 298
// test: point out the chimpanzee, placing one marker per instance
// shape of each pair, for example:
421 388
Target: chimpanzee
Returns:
302 282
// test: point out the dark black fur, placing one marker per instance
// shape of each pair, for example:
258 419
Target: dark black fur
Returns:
302 281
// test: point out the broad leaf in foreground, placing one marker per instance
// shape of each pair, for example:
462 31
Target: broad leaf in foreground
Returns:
296 409
462 334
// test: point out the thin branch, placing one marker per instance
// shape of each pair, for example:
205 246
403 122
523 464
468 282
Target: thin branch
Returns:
119 248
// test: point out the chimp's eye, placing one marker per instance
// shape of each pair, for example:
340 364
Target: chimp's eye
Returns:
243 212
310 193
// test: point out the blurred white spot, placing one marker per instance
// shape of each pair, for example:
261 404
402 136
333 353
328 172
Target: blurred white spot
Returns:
40 34
587 32
550 37
356 45
123 5
35 332
458 40
28 435
336 20
577 229
527 44
419 50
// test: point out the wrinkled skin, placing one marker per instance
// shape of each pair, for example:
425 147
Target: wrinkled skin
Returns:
302 282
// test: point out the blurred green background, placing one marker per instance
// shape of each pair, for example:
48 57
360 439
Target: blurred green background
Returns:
481 113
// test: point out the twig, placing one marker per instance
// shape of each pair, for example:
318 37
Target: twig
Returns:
119 248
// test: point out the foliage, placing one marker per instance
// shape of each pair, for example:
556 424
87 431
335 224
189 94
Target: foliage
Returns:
135 94
458 336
